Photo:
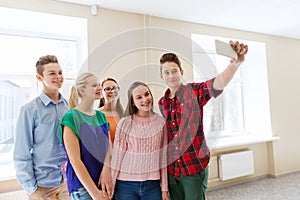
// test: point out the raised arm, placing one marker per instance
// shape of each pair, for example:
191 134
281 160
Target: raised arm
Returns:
226 76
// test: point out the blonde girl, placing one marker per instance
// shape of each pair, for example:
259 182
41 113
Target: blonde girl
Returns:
85 136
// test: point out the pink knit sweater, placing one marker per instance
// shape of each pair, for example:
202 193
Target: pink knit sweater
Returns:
139 151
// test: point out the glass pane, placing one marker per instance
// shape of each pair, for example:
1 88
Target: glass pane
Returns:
22 43
223 115
233 109
16 59
18 84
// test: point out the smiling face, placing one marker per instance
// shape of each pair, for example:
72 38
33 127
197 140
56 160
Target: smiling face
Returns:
52 77
171 74
91 89
110 91
142 100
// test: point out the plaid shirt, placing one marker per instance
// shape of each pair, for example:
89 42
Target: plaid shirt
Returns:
187 149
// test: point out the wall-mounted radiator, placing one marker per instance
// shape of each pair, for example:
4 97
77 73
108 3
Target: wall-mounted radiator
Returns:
234 165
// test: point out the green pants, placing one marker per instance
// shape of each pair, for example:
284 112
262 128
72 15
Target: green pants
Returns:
189 187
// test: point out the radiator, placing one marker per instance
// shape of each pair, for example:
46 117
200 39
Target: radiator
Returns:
234 165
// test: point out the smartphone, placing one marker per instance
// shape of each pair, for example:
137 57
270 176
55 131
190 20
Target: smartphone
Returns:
225 49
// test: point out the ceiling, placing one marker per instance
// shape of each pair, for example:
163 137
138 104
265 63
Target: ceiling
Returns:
275 17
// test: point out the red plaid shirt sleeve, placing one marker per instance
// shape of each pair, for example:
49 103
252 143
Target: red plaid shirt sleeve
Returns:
187 150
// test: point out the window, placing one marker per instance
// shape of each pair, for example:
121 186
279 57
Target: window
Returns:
243 108
22 44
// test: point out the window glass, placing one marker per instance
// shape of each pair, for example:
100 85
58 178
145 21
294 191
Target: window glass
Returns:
243 107
20 48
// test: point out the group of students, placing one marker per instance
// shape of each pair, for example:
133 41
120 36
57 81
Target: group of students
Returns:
70 149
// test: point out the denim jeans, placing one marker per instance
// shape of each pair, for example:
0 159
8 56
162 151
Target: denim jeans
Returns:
137 190
81 194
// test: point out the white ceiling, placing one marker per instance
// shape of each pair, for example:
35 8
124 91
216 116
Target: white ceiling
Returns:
275 17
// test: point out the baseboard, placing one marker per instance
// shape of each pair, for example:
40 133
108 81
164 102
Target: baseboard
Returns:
236 182
285 174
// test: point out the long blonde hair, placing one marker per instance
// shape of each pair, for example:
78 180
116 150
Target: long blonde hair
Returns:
75 94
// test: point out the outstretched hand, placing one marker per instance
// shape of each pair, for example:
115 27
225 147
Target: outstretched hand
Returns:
241 50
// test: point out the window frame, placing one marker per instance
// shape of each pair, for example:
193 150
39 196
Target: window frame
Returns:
246 73
50 27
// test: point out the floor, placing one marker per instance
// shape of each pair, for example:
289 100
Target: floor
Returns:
285 187
19 195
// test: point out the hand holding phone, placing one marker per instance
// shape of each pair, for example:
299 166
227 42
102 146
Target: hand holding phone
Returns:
225 49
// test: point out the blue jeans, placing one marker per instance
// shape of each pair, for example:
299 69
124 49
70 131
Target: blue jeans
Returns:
137 190
81 194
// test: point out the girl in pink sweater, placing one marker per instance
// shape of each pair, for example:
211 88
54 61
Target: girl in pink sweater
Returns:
139 154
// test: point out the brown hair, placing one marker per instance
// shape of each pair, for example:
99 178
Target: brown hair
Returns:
119 106
169 57
131 108
44 60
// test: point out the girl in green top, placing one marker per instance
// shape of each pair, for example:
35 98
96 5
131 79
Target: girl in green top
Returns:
85 135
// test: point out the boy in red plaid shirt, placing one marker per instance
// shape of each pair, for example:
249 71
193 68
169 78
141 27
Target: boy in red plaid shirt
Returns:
182 108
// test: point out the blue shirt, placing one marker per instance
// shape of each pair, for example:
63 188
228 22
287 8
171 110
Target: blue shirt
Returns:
38 153
92 134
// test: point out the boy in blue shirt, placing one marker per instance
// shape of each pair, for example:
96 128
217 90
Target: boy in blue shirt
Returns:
38 153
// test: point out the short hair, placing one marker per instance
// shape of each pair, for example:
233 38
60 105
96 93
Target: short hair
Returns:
44 60
170 57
